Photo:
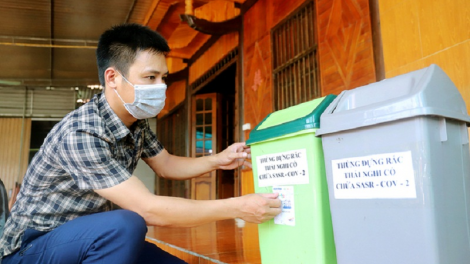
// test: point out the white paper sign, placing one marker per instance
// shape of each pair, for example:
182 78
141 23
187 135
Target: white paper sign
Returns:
379 176
287 215
282 168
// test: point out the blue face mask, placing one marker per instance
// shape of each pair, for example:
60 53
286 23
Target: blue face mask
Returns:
149 99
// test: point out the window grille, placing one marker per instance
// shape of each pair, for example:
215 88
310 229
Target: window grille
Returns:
295 78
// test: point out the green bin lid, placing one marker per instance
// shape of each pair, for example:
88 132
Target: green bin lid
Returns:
290 120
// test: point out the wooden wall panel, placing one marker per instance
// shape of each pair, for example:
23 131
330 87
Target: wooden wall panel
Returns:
418 33
220 49
281 9
263 16
10 143
402 44
257 68
258 101
175 94
443 24
345 46
247 182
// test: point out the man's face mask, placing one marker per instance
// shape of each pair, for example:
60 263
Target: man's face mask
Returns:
149 99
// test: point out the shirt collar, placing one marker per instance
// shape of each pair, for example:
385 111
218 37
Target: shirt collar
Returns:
113 122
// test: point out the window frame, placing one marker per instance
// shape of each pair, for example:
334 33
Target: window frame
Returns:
295 67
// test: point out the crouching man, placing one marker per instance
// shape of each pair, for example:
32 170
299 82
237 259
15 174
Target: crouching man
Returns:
62 213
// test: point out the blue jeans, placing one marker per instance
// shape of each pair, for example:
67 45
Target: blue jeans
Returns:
110 237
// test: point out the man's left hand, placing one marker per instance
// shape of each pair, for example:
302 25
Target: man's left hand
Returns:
234 156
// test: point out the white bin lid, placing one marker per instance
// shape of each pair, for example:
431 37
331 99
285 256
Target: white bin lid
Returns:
428 91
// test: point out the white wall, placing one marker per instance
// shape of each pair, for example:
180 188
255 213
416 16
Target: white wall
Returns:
143 171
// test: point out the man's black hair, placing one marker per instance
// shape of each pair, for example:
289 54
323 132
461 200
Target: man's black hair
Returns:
119 45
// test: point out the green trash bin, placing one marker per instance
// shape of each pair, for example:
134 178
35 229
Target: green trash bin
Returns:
288 159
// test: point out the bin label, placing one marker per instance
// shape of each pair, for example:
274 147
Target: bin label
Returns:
381 176
282 168
287 215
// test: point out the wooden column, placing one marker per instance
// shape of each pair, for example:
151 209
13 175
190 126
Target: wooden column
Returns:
188 7
11 168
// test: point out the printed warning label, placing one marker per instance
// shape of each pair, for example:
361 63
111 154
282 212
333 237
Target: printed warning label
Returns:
379 176
282 168
287 215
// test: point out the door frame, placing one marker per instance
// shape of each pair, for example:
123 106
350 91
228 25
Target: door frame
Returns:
193 88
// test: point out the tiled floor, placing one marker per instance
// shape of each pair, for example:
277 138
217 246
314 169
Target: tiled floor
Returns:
219 242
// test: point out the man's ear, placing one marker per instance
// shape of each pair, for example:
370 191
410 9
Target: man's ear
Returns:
110 77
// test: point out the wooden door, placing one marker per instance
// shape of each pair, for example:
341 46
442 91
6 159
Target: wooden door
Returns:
204 142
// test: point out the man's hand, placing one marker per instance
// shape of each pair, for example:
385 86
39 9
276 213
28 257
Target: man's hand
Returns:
178 212
234 156
259 208
182 168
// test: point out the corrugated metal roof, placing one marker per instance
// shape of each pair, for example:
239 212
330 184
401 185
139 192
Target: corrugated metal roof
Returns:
52 42
76 20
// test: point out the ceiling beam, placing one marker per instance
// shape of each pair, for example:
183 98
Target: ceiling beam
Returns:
203 49
51 51
48 42
181 37
150 11
217 28
170 21
247 5
67 83
160 8
212 28
177 76
36 45
188 7
188 51
207 1
131 9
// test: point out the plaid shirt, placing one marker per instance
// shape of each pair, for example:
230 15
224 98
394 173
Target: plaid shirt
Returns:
89 149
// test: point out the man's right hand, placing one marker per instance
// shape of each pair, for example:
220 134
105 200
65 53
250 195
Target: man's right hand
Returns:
259 208
178 212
